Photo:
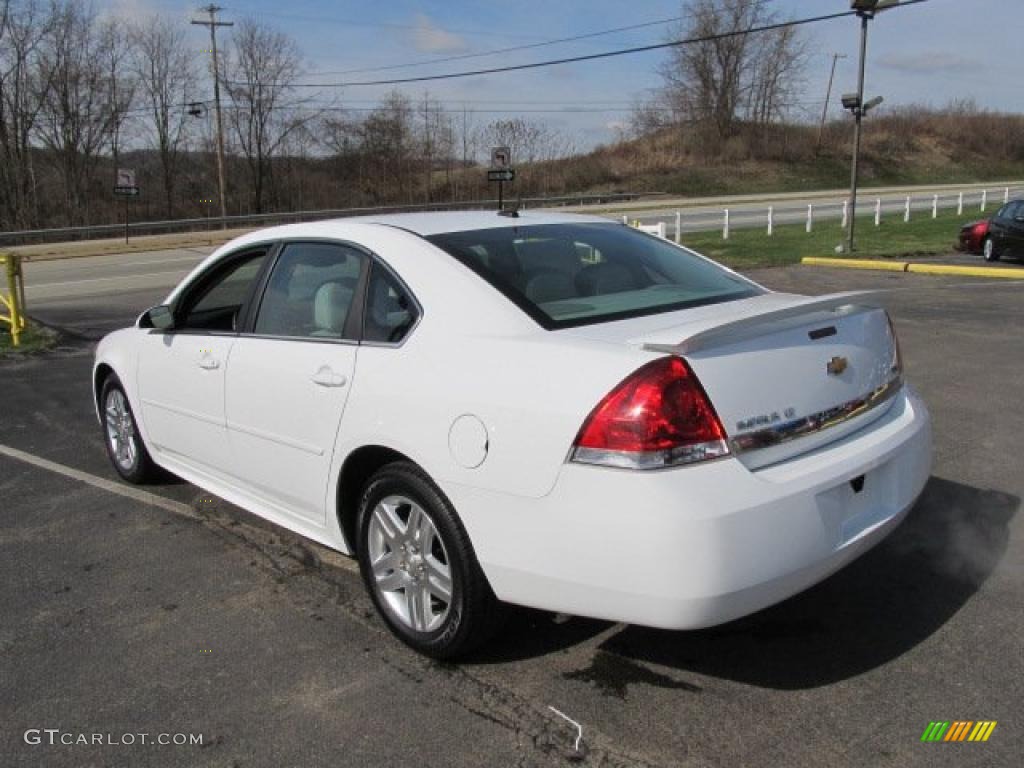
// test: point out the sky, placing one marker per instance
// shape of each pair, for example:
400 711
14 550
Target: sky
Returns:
928 53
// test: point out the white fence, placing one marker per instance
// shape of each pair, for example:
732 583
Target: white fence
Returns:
980 201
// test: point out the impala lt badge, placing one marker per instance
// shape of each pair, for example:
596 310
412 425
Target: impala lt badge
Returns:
836 366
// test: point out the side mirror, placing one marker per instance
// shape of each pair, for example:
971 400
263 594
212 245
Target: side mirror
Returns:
159 317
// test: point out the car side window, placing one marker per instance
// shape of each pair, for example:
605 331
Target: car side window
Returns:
390 311
216 301
311 291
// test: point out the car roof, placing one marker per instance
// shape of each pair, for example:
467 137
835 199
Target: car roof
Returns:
425 224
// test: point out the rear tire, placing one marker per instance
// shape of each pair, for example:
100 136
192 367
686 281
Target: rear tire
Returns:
121 435
419 567
988 250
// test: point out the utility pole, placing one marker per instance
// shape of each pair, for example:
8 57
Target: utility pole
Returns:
212 23
828 95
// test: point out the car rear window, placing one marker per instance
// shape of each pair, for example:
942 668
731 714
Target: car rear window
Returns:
566 275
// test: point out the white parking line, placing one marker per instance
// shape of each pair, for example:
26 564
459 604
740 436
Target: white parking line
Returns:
136 494
327 555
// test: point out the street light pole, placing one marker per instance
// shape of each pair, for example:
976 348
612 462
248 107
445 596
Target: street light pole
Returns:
858 117
213 24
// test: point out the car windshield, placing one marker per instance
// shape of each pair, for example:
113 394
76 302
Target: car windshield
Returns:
566 275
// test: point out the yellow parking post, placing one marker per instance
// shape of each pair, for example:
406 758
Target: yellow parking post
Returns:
14 301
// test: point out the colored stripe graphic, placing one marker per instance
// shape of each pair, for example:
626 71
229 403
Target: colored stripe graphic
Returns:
985 730
959 730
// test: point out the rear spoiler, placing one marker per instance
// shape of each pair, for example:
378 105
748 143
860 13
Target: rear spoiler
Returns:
771 321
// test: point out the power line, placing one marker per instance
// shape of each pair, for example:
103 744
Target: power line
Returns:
496 51
593 56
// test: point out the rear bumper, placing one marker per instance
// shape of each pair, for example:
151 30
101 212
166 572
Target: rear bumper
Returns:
697 546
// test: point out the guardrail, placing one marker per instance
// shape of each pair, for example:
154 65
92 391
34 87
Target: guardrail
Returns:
210 223
14 301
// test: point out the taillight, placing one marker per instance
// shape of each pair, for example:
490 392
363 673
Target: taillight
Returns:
659 416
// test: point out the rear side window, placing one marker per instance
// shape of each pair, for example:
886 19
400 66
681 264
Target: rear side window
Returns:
566 275
390 312
310 292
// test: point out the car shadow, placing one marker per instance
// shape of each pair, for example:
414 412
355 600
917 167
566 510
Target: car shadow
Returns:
876 609
526 633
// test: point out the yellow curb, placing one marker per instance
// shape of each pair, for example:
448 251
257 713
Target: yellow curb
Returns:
1008 273
888 266
951 269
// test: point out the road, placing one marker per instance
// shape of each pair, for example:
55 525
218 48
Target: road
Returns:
180 613
95 294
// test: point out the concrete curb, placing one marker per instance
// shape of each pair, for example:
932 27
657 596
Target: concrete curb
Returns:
1008 273
887 266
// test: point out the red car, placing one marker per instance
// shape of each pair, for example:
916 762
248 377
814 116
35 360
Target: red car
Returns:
972 236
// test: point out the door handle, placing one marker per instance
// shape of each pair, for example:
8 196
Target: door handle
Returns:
209 363
325 377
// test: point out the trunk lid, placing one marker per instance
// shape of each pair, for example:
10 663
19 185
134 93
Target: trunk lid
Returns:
786 374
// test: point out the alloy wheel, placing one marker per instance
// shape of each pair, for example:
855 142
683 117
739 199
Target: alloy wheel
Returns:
409 563
121 430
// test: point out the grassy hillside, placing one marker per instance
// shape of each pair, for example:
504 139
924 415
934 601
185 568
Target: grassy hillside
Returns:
909 146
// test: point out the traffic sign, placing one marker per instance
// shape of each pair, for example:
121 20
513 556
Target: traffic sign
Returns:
125 184
504 174
501 157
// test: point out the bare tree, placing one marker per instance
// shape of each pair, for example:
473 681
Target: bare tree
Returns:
264 109
737 73
23 87
388 143
776 75
115 48
164 70
80 107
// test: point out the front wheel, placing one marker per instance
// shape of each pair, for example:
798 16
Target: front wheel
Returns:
121 435
988 250
419 566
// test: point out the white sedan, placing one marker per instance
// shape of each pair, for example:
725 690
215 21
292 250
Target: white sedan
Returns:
549 410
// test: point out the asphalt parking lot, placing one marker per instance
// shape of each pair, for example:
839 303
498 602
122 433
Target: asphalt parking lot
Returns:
180 614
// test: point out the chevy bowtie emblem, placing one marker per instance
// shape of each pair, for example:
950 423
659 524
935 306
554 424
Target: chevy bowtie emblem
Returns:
836 366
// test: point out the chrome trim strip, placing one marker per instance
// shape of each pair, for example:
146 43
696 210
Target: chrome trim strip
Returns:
815 422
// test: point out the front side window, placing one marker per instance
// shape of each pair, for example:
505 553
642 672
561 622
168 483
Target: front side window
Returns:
311 292
566 275
216 301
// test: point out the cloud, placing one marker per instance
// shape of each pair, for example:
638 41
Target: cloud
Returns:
430 38
929 62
